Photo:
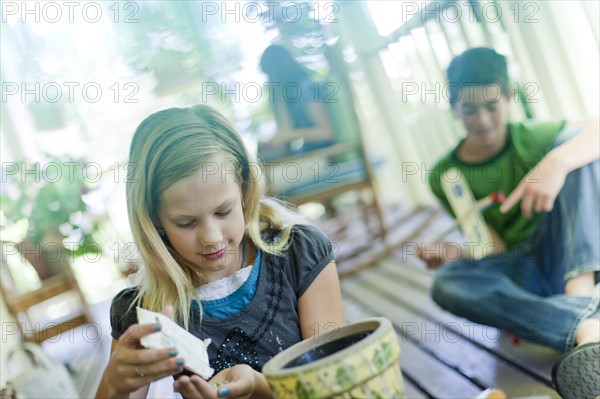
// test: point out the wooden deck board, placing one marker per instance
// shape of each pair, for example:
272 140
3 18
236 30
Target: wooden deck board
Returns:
356 248
412 391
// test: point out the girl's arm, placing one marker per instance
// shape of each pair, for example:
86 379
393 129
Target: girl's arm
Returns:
320 307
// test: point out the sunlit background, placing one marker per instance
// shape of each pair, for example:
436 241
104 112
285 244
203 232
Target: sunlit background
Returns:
77 80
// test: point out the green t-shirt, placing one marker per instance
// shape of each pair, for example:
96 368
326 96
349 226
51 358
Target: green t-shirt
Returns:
527 144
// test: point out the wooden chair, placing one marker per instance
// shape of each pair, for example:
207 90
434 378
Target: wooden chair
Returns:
325 173
33 309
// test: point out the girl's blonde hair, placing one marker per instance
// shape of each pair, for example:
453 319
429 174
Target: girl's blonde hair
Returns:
173 144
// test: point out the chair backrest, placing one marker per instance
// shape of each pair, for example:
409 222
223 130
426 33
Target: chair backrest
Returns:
61 287
339 106
330 169
322 174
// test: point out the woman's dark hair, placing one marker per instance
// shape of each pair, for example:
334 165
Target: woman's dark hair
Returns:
292 84
478 66
281 67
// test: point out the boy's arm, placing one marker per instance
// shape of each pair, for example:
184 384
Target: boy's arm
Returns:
541 185
435 254
582 149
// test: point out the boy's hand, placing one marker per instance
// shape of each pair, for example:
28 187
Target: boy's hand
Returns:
539 188
435 254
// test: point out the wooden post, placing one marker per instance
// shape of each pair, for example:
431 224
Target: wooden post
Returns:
356 24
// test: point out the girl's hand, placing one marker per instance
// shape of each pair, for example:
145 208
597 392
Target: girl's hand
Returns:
540 187
235 382
132 366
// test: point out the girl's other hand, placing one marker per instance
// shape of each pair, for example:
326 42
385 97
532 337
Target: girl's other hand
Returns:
235 382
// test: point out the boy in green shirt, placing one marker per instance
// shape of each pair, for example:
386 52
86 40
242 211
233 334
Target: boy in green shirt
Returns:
540 284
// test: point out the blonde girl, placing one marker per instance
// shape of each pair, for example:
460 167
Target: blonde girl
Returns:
224 261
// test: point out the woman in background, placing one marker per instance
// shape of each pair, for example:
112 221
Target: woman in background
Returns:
303 123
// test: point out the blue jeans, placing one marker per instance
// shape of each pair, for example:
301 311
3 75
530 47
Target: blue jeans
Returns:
522 291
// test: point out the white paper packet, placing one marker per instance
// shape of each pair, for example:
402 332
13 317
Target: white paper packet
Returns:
191 348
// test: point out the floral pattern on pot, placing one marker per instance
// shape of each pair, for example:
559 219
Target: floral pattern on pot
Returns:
367 368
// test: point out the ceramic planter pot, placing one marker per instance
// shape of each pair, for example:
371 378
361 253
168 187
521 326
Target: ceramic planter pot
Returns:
359 360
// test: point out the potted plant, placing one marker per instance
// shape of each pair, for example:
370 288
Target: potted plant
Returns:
45 214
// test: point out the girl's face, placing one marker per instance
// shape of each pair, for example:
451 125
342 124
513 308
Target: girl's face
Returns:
203 220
